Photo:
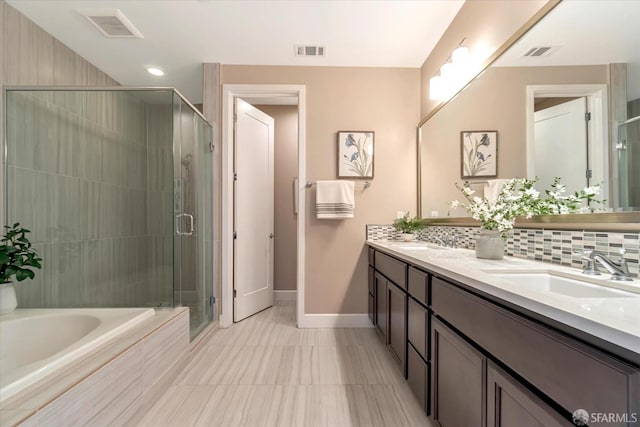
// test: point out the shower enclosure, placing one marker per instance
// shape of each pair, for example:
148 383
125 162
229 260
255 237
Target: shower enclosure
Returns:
628 148
116 185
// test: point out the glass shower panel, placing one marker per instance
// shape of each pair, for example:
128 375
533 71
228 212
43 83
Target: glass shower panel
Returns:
193 169
86 172
116 185
628 148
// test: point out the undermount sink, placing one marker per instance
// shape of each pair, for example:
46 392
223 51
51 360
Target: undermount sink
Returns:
558 284
409 247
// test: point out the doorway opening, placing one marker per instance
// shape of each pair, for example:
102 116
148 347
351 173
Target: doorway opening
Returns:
259 95
569 119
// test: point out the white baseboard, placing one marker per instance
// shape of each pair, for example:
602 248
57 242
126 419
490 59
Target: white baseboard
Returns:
285 295
335 321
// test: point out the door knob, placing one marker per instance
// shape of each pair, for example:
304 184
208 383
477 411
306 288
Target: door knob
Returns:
271 235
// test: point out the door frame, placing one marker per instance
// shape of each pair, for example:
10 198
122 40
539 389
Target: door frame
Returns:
598 130
229 93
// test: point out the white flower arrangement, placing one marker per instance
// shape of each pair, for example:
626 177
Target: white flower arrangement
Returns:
518 197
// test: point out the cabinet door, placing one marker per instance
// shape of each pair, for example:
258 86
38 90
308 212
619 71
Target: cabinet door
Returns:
371 280
510 404
372 294
372 309
380 284
397 332
418 319
418 377
458 373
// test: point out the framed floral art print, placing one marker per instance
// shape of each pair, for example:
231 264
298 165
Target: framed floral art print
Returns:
479 150
355 154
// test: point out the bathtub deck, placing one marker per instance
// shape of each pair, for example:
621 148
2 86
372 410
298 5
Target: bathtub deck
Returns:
266 372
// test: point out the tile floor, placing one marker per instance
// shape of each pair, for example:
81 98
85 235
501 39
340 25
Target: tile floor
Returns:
266 372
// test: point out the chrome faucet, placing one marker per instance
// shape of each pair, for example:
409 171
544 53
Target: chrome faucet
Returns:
448 241
618 269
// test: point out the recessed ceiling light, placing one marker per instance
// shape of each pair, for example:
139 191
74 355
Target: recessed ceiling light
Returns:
155 71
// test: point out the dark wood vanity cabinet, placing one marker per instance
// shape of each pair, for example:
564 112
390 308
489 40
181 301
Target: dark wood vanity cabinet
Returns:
472 362
395 289
397 330
458 380
372 296
381 309
390 300
509 403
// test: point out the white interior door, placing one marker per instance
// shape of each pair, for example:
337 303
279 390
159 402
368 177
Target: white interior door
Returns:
253 211
560 144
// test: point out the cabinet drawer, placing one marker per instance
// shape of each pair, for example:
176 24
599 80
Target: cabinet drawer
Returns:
418 325
372 254
570 373
394 270
418 372
418 285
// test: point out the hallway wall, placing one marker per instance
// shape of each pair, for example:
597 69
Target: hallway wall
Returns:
286 169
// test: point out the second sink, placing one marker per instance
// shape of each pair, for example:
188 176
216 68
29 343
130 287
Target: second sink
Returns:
554 283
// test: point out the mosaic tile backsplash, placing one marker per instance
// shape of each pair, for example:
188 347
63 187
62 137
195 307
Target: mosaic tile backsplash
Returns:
554 246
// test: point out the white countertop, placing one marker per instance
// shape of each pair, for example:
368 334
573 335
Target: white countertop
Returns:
612 319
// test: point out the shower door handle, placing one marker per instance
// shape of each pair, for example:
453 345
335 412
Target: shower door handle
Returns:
179 221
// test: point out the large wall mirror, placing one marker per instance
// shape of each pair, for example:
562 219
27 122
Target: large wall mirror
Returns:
564 101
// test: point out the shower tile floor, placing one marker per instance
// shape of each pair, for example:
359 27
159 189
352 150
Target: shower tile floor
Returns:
264 371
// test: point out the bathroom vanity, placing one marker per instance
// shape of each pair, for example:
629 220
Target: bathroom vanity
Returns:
508 342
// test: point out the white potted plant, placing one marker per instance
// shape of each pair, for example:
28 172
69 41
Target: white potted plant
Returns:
17 260
408 226
518 197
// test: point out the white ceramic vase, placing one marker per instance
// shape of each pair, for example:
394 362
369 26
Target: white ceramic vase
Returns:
489 245
8 300
407 237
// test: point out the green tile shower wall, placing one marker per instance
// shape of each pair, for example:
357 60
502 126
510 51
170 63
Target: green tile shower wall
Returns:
90 173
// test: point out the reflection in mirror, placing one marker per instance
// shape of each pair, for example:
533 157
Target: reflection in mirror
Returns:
564 100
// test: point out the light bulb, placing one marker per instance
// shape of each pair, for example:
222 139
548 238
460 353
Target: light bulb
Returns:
447 70
435 88
155 71
460 55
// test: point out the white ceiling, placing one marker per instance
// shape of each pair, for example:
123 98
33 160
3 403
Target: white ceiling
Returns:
585 32
180 35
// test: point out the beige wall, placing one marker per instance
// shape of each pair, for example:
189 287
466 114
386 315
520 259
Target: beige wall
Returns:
286 169
495 101
482 22
384 100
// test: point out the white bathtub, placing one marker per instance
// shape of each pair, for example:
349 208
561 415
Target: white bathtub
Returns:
36 342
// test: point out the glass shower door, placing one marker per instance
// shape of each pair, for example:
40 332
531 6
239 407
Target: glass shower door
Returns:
193 167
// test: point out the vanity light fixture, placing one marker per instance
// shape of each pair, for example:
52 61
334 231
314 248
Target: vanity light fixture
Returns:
154 70
453 74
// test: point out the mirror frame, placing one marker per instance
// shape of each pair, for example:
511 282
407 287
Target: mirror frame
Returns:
615 221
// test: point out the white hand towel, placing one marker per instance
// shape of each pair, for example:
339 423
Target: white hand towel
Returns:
492 189
335 199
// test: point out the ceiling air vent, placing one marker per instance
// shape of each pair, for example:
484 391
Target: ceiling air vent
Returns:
310 50
540 51
111 22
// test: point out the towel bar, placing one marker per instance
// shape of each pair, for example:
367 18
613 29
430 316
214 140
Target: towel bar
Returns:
365 184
